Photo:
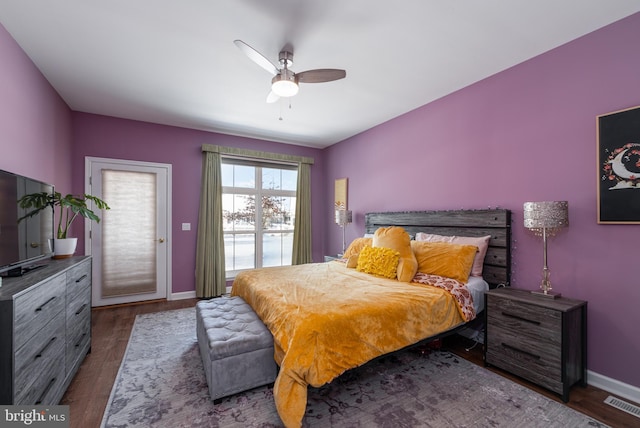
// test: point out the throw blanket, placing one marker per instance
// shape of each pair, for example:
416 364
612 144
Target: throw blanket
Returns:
326 319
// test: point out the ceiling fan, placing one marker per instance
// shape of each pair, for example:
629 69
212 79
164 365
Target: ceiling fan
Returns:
285 82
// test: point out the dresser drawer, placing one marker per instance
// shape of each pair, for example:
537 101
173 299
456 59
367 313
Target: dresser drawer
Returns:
36 308
78 304
78 278
78 339
77 346
47 387
42 352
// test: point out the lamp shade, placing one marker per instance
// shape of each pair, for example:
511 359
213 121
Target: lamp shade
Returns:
549 215
344 217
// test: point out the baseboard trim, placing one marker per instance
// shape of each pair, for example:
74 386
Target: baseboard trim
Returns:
614 386
183 295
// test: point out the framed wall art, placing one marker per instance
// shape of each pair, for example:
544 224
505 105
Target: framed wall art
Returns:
619 167
341 194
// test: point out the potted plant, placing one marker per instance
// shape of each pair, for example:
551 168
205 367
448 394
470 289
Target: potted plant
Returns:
70 207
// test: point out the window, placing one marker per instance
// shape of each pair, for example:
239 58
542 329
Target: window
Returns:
257 234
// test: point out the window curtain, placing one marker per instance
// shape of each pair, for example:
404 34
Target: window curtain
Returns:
302 228
210 269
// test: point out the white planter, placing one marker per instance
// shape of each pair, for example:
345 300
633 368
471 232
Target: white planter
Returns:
64 248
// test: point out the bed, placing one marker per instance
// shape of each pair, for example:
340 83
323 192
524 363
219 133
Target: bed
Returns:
327 318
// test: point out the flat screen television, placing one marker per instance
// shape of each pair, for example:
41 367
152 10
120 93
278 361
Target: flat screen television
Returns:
22 243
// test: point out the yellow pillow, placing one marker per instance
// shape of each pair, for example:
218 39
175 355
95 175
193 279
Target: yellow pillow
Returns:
445 259
356 246
378 261
352 261
398 239
481 242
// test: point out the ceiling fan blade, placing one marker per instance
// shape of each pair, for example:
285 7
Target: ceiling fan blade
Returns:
256 57
272 97
321 75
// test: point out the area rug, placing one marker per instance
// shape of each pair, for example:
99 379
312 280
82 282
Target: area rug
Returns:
161 383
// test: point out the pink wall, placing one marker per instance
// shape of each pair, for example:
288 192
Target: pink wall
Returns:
108 137
35 124
526 134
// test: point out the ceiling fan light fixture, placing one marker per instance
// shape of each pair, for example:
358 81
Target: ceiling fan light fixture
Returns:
284 84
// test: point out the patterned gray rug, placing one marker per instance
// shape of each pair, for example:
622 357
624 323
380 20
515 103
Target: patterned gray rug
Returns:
161 383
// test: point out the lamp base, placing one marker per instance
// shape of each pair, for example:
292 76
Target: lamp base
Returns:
548 294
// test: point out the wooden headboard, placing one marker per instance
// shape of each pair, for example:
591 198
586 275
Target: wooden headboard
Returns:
494 222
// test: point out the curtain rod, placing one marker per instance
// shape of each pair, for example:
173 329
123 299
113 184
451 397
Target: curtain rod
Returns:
256 154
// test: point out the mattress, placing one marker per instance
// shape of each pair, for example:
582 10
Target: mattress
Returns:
477 286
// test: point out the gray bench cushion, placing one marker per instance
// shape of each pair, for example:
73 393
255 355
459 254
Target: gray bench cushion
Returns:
236 347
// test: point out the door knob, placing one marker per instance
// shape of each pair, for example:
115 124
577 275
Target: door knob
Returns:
161 240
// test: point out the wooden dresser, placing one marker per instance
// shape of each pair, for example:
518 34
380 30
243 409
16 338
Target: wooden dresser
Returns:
537 338
45 325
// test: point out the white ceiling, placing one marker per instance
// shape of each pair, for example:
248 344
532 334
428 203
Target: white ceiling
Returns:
174 62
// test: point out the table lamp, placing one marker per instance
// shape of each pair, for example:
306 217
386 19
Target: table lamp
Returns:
343 218
546 219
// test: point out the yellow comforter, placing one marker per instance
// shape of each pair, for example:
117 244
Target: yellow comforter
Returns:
326 319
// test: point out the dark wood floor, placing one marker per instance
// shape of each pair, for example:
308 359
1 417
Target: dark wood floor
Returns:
89 391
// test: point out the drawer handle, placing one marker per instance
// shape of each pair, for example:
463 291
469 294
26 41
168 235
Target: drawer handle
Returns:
518 317
43 350
81 309
45 392
513 348
81 278
39 308
80 340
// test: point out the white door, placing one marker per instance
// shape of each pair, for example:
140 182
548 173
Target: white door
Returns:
131 246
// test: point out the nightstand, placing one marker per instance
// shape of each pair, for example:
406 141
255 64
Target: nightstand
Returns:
540 339
329 258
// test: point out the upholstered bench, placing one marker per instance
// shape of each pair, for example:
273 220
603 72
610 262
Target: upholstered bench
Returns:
236 347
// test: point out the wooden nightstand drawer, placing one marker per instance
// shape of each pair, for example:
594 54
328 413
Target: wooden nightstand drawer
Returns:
528 359
525 318
539 339
522 330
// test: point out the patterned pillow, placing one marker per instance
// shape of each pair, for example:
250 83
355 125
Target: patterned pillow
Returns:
379 261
